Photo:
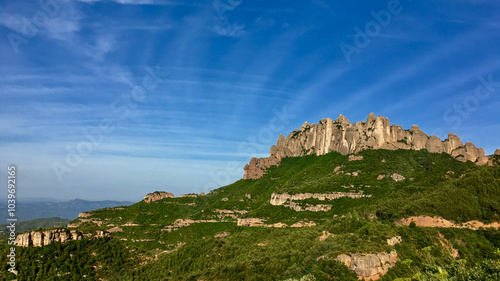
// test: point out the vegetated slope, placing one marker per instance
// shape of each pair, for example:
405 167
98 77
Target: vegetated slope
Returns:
36 224
425 175
207 244
66 209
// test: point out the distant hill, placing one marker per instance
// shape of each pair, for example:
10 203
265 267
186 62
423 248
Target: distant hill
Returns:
66 210
36 224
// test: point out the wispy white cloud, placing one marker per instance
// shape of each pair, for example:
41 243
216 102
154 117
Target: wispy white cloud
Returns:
32 90
144 2
13 21
64 26
103 45
153 27
407 70
230 29
447 87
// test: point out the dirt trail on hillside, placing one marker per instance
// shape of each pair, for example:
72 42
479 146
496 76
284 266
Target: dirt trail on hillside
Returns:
426 221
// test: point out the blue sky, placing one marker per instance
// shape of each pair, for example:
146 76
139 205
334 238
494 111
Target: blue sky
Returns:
116 99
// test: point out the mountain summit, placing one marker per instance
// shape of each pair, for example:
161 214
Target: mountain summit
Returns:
346 138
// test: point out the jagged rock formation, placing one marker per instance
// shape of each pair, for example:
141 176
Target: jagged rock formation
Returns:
369 266
258 166
157 195
346 138
42 238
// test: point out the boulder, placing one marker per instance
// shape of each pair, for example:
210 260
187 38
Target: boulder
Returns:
369 266
397 177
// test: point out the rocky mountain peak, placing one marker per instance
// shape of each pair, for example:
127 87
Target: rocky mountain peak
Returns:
346 138
343 120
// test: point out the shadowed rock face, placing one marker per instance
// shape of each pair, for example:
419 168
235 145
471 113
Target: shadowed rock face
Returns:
346 138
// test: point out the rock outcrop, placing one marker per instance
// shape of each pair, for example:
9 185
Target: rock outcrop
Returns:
426 221
397 177
286 200
258 166
190 195
84 215
394 240
157 195
184 223
258 222
250 222
280 199
346 138
46 237
369 266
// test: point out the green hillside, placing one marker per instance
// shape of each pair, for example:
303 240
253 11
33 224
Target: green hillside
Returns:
153 246
35 224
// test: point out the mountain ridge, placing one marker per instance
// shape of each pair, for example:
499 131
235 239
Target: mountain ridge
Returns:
31 210
375 133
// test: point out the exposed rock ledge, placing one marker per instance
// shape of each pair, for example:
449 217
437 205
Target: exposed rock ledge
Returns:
346 138
183 223
258 222
426 221
42 238
369 266
159 195
312 208
280 199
